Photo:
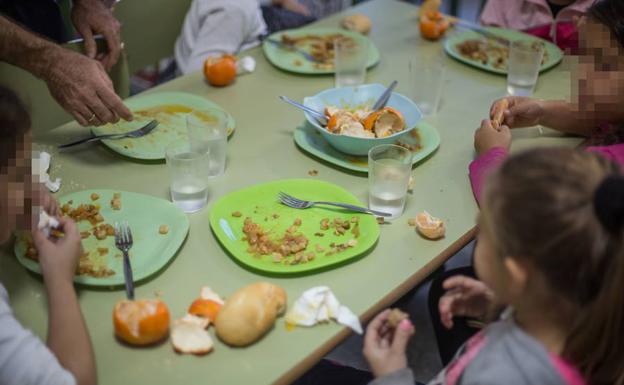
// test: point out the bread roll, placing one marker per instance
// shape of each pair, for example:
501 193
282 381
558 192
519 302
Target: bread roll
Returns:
249 313
357 23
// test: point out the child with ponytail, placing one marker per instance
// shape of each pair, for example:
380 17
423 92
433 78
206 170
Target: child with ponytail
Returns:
551 249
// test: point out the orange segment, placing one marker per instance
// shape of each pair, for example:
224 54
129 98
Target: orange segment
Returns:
370 120
141 322
430 226
205 308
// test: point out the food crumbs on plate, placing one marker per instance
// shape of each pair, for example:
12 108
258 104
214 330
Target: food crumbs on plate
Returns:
84 234
116 201
319 248
411 222
356 230
275 216
297 222
352 243
381 220
297 63
325 224
355 220
95 197
313 172
237 214
319 234
163 229
102 251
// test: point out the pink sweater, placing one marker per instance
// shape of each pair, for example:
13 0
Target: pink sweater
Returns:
484 164
535 17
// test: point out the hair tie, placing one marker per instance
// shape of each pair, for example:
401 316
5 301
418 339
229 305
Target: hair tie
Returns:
609 203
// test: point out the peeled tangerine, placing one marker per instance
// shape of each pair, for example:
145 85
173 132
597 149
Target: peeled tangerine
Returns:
430 226
433 25
141 322
384 122
207 306
220 71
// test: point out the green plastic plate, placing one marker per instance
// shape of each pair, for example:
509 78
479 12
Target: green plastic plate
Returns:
169 108
555 55
295 62
260 203
151 250
310 140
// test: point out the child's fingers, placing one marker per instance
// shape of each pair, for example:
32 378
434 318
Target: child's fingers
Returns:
445 308
372 336
486 124
457 281
402 335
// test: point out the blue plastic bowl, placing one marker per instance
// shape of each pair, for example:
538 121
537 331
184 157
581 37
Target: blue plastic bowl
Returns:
349 97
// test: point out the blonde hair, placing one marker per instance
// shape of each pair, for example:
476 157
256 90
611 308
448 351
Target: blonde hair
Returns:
564 210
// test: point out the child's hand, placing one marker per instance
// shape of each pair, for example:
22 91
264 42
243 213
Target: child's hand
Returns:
487 137
522 112
293 6
384 348
465 297
59 257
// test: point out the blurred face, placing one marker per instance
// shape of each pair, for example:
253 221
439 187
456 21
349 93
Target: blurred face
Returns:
600 78
16 195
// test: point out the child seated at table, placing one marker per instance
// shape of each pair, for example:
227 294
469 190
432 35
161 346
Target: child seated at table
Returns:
551 248
24 358
553 20
217 27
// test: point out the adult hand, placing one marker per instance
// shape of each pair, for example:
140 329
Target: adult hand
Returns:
521 112
92 17
82 87
58 258
465 297
384 348
487 137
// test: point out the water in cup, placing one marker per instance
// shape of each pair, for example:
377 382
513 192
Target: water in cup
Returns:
525 60
216 147
188 172
188 193
388 177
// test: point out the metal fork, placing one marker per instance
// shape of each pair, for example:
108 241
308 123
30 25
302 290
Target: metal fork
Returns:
295 203
132 134
123 241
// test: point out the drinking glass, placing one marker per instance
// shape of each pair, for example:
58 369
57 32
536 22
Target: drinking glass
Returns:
389 168
207 131
188 171
350 59
525 60
426 78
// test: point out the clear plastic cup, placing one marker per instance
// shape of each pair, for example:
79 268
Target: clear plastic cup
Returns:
389 168
525 60
351 57
207 131
426 80
188 173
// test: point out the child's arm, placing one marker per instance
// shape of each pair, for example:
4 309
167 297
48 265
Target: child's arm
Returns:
556 114
492 148
68 337
614 152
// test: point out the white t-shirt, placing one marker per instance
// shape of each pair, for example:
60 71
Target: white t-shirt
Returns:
216 27
24 358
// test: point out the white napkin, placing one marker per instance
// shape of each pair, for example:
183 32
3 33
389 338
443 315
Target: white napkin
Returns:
245 65
46 223
41 164
319 304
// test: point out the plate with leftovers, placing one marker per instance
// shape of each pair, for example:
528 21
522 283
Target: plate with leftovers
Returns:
169 108
267 237
422 140
158 229
352 127
318 42
471 48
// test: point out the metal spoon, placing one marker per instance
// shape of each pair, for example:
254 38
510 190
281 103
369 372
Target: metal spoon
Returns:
383 99
318 115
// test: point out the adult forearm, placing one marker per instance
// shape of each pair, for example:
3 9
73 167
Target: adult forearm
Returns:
68 337
26 49
566 117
